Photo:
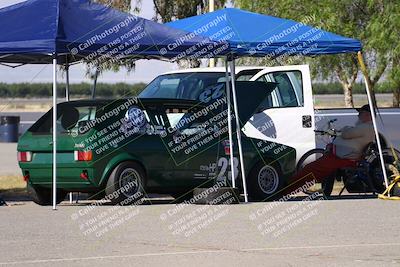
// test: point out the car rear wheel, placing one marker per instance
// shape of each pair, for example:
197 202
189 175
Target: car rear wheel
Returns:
44 196
126 184
265 182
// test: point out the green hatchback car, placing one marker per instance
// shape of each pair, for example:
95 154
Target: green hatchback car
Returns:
123 149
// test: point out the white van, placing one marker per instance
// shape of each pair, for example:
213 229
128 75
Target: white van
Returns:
286 117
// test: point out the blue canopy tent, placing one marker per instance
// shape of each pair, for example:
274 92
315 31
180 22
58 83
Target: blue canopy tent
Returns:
66 31
256 35
252 34
37 31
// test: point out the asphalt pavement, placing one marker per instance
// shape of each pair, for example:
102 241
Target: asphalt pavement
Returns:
348 231
357 232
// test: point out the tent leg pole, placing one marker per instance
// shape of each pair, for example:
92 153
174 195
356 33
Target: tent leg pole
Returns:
67 99
228 98
95 83
372 108
54 132
238 130
67 82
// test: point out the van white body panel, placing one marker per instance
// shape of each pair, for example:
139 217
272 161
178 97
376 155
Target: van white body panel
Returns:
282 124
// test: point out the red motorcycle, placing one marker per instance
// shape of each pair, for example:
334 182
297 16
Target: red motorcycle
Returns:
366 177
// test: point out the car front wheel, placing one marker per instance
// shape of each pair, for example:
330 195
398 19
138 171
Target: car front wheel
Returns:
265 182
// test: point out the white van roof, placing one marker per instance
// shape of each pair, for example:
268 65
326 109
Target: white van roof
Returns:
215 69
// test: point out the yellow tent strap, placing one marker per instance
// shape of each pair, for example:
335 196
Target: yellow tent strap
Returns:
396 159
385 196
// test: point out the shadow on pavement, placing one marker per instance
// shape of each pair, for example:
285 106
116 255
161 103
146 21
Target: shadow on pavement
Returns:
17 197
342 197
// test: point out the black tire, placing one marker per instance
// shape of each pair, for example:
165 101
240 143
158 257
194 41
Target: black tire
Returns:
126 184
265 182
44 196
395 190
327 185
301 164
375 170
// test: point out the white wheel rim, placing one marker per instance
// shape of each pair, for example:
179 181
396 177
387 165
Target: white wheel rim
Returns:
268 179
129 175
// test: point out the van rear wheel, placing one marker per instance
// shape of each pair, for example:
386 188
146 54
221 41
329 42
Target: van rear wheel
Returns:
126 184
44 196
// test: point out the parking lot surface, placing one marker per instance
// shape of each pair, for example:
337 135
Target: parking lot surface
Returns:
345 232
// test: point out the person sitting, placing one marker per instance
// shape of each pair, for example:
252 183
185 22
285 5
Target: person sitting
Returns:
347 148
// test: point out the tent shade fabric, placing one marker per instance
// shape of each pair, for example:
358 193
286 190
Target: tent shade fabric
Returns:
34 30
252 34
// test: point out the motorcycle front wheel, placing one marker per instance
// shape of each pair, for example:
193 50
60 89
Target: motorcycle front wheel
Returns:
307 158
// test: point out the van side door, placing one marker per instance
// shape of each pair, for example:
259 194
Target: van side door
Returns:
287 115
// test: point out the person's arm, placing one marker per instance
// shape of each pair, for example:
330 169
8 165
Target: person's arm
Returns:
351 132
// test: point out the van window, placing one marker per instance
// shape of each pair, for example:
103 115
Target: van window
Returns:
288 92
268 102
246 75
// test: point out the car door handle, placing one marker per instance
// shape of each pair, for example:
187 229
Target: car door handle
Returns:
307 121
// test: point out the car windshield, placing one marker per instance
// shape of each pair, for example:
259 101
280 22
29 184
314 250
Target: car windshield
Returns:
188 85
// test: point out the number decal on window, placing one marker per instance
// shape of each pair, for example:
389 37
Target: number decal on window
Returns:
212 93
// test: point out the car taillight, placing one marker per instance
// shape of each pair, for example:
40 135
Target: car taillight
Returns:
83 155
24 156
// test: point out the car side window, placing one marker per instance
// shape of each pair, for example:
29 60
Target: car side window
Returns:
146 120
179 121
173 119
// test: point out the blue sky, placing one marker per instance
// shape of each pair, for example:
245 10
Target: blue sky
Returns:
145 71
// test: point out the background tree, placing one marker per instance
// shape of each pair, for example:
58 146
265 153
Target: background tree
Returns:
123 5
354 19
386 29
394 81
93 71
169 10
